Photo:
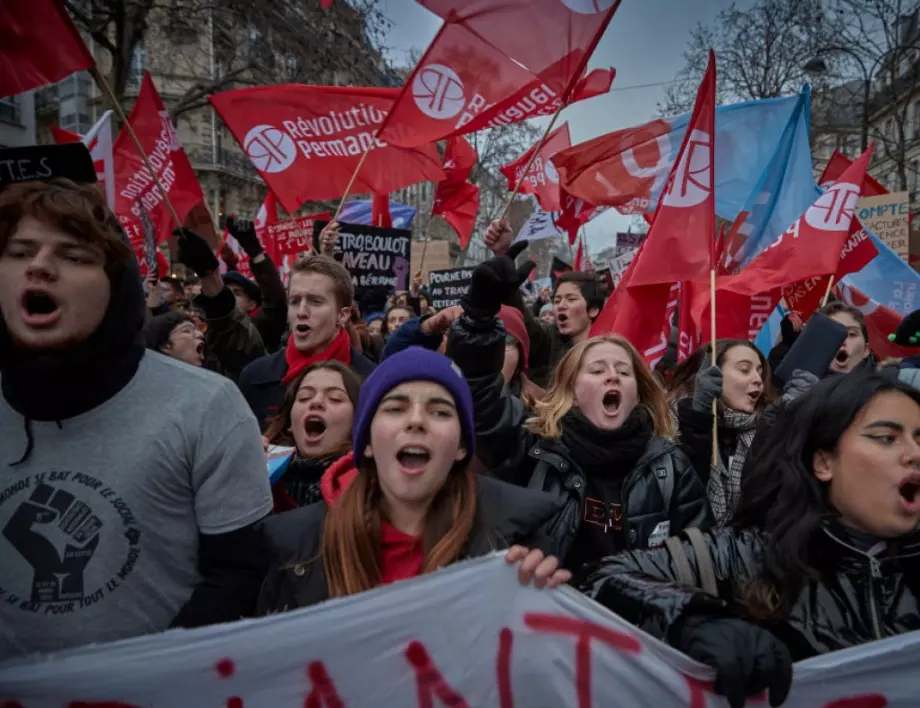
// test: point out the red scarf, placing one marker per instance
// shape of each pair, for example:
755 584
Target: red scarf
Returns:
339 349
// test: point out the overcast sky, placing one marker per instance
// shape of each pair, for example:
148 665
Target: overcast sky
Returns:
644 42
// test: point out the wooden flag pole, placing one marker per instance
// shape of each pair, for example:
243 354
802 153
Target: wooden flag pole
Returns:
104 85
533 156
827 293
421 265
351 182
715 401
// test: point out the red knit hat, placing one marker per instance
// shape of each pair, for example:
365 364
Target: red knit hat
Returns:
513 320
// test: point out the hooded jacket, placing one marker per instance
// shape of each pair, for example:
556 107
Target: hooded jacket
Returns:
506 515
860 597
660 496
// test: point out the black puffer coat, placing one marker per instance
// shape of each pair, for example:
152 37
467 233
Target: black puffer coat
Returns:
858 599
662 487
506 516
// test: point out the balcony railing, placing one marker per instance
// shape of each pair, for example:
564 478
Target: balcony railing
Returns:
203 156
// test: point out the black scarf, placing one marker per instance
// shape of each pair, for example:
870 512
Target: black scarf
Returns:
58 386
606 452
301 479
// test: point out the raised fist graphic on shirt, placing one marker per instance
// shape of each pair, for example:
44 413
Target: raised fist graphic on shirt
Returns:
57 534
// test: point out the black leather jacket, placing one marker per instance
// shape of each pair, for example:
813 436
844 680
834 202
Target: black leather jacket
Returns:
858 598
512 453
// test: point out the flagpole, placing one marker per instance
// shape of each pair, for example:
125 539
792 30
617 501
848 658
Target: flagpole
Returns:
715 401
827 293
421 265
533 156
351 182
104 85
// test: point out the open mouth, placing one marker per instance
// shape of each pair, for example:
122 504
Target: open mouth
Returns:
561 318
842 357
413 458
39 308
302 330
314 427
611 402
199 349
754 396
910 493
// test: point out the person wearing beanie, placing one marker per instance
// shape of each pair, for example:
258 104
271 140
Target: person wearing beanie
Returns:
133 482
406 501
547 316
374 322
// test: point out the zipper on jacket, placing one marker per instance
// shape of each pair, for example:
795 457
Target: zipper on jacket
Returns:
608 521
875 573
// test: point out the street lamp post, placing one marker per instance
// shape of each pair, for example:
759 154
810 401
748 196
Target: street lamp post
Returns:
818 66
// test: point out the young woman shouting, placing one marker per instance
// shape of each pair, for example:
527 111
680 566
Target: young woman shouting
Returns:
405 502
822 554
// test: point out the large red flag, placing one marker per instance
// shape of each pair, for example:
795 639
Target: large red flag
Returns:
541 179
812 245
133 181
489 51
574 214
306 141
680 243
39 45
537 34
455 199
835 168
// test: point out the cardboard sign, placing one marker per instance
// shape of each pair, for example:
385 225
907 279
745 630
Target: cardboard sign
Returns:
375 257
292 236
469 636
448 286
44 162
628 241
887 216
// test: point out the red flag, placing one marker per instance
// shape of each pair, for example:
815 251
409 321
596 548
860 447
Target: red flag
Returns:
157 135
541 179
688 334
580 255
455 199
380 211
641 314
681 241
575 213
39 45
537 34
306 141
536 99
837 165
813 244
463 72
880 322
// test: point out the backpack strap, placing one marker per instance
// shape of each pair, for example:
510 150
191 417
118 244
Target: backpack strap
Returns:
685 575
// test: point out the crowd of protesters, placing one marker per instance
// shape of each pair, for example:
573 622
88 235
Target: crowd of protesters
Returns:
135 418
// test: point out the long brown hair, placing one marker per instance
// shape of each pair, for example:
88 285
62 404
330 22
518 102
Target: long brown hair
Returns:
683 384
278 430
560 398
351 546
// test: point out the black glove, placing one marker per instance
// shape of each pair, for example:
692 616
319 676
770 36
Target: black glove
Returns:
789 335
747 658
195 253
244 232
708 388
494 282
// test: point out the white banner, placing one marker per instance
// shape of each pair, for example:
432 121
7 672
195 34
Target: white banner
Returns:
466 637
541 224
619 265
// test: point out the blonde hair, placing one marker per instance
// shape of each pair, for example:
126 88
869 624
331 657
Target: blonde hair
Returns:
560 398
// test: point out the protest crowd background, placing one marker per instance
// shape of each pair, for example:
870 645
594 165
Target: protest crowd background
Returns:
221 434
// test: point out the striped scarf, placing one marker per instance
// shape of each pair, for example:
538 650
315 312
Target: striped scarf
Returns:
724 487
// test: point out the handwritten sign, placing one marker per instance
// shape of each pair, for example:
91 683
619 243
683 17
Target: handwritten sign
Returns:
375 257
887 216
448 286
619 265
292 236
500 644
540 225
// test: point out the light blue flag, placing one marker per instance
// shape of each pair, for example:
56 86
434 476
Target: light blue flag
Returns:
358 211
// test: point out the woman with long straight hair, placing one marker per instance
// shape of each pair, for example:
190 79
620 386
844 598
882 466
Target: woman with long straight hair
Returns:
600 439
406 501
315 418
739 381
822 554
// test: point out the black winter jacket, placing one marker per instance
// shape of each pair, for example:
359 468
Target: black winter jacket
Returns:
506 515
662 487
263 389
858 598
696 437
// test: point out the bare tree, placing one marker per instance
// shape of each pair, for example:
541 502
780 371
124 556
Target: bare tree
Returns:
237 42
761 52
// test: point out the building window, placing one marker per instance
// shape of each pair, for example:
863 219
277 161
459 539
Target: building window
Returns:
138 65
10 110
290 67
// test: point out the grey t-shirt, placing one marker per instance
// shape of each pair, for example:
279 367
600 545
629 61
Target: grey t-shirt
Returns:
99 526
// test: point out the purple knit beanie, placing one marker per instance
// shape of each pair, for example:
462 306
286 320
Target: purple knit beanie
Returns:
412 364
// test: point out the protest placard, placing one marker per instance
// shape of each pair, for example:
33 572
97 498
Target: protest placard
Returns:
540 225
446 287
887 216
619 264
375 257
469 636
293 236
